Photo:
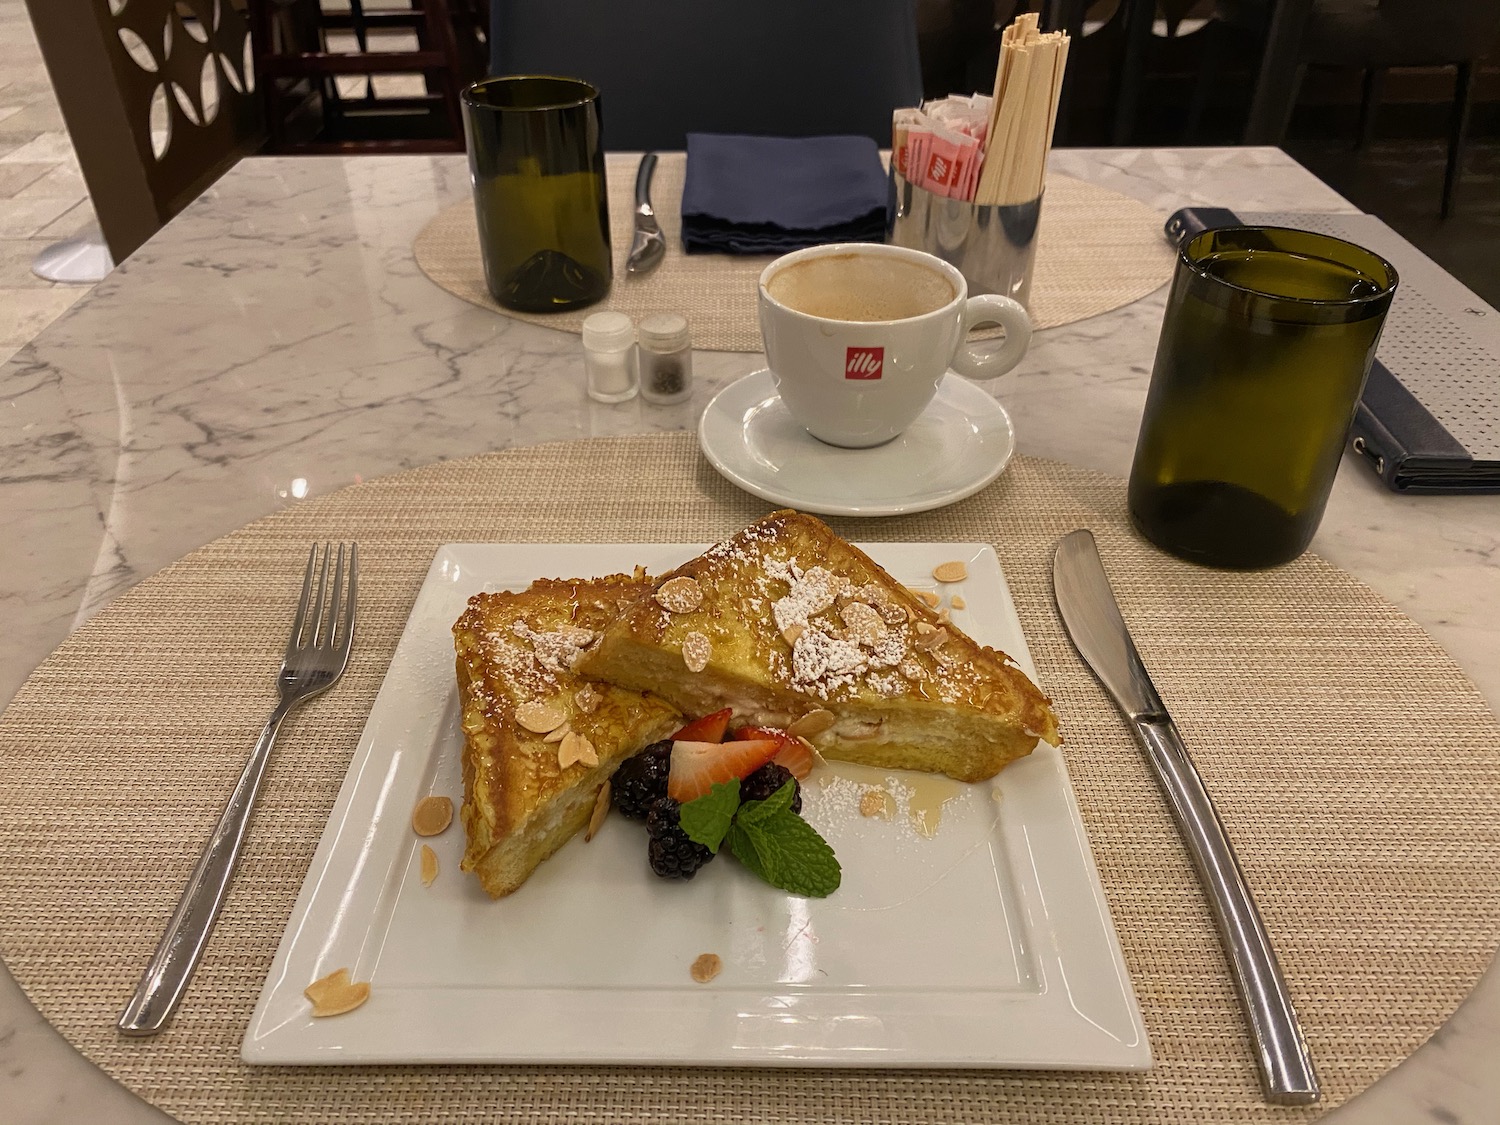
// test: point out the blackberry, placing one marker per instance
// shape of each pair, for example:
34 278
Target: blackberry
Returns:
641 779
671 854
766 780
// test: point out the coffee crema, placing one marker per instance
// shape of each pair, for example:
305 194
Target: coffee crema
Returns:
862 287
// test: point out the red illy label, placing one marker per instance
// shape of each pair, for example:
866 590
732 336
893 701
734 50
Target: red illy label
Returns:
864 363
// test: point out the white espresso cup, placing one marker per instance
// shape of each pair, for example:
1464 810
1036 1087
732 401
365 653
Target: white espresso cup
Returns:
859 336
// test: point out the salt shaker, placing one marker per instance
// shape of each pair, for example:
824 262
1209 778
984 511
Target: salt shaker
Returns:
609 357
666 359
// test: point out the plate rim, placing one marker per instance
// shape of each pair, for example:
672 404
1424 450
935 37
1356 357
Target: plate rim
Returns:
875 509
259 1044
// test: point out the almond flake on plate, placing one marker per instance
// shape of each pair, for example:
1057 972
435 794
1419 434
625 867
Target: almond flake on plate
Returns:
876 802
957 601
432 816
955 571
336 994
706 967
429 866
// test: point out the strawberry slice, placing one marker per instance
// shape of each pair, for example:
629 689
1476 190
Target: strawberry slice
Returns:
710 728
792 752
698 766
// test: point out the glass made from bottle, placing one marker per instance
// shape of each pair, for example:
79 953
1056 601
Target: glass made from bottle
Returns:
1268 337
537 168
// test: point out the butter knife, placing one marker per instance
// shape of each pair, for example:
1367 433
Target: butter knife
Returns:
1092 618
648 246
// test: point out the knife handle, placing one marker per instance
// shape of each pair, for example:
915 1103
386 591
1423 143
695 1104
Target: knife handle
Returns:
1286 1070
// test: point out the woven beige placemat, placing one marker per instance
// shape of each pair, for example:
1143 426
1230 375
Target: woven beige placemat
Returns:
1356 768
1096 250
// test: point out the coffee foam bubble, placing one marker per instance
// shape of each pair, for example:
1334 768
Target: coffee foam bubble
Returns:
864 287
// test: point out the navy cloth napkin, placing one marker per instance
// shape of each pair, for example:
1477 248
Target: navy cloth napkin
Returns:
769 195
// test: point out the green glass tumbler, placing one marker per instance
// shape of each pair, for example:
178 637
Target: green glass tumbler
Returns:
537 167
1268 337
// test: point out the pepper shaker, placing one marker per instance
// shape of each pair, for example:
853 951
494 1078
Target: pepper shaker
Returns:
609 357
666 359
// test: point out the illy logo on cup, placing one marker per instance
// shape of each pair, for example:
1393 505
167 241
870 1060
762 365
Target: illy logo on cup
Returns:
864 363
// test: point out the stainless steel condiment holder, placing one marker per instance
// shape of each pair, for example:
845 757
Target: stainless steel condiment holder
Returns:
993 247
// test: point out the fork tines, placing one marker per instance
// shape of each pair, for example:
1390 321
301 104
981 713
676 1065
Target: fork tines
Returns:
330 625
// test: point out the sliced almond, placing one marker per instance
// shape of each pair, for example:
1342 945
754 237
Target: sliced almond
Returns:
539 717
925 628
955 571
432 816
864 623
576 748
792 633
429 866
814 722
679 595
559 734
587 699
601 810
957 602
930 597
706 967
876 802
336 994
932 639
586 752
696 649
943 616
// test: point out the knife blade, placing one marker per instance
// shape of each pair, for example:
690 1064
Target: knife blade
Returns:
648 246
1089 612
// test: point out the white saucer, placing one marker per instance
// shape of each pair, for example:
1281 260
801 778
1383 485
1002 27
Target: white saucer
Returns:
961 442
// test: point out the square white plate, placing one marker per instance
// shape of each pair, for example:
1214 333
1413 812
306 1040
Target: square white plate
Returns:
985 944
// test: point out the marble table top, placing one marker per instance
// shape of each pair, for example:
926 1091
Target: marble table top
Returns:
277 340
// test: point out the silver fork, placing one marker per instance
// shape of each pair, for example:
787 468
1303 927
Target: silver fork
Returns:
315 657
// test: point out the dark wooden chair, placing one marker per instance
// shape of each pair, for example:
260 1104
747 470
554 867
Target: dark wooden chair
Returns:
158 97
1374 36
668 67
444 41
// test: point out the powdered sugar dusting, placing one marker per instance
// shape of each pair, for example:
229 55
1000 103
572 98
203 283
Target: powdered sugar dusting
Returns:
559 650
830 653
813 591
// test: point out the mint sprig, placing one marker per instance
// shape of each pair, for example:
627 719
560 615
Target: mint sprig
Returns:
707 819
766 837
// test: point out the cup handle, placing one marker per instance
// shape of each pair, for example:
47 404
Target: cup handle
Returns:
983 308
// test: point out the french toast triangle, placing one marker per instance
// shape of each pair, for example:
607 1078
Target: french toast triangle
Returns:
524 709
785 619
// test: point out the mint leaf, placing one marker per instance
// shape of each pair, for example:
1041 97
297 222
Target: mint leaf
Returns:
755 812
783 849
707 818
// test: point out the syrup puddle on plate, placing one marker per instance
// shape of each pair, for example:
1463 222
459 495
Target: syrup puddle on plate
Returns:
926 826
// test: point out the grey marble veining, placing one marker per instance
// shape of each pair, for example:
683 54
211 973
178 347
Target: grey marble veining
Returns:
277 340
